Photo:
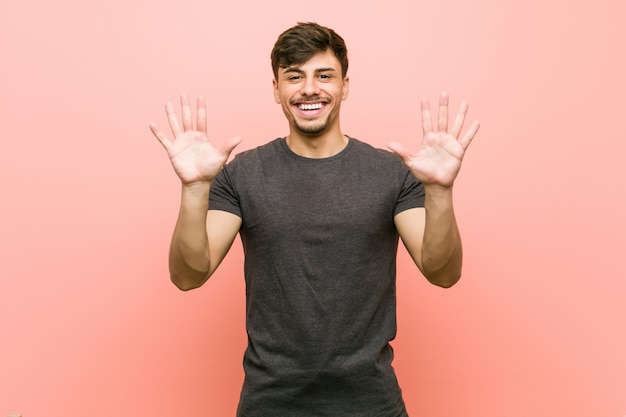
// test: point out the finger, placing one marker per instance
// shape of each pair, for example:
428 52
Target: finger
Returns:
459 120
201 115
160 136
172 119
231 144
185 109
443 113
398 149
469 135
427 122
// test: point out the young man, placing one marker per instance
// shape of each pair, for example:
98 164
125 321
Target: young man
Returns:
319 214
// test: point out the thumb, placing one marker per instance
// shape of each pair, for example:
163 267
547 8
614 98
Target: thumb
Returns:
231 144
398 149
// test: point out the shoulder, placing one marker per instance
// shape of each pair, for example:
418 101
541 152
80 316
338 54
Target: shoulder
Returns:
377 156
254 158
371 150
271 148
385 165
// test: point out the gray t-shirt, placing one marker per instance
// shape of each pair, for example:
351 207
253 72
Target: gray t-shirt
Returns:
320 268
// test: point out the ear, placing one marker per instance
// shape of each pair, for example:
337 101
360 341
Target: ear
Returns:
346 89
276 95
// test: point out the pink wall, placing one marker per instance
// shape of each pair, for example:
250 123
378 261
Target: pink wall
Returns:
90 325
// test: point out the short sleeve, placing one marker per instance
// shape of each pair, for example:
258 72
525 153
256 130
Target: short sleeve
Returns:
411 195
223 195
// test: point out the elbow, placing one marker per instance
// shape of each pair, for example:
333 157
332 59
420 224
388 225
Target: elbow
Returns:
184 283
444 274
445 281
445 277
183 286
185 277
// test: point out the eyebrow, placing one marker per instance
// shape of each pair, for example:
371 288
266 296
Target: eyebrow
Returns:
299 71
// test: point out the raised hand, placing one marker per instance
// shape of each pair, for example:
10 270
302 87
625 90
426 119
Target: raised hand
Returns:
193 157
438 160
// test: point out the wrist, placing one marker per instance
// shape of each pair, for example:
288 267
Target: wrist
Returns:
437 191
196 188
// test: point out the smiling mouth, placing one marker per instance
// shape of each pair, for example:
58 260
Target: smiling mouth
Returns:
313 106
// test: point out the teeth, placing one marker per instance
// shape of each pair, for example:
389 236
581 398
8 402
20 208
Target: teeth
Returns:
315 106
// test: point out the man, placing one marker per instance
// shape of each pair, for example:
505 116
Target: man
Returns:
319 214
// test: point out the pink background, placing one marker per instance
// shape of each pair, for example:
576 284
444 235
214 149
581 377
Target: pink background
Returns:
91 326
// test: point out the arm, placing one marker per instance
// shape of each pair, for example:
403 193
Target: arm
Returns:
432 238
431 234
201 238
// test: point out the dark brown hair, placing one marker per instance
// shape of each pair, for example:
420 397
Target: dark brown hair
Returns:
299 43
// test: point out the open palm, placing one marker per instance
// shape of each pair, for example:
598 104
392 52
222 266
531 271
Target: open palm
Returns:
191 153
438 160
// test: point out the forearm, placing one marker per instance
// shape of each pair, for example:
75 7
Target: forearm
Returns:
189 261
442 254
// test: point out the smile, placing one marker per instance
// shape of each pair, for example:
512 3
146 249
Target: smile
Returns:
314 106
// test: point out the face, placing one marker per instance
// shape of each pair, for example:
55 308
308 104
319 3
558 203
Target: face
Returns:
311 93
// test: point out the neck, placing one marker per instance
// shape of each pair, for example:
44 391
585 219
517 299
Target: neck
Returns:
323 145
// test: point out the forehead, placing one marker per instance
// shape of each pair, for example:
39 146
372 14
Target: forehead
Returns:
325 61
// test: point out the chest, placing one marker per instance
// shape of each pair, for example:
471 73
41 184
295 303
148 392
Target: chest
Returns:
321 202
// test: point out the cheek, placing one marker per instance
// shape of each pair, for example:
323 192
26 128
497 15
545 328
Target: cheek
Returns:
344 93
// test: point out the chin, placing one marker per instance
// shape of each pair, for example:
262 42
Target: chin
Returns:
312 129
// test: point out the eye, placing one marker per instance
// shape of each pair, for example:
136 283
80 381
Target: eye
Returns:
325 76
294 77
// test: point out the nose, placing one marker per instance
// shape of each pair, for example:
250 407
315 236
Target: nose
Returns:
310 87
